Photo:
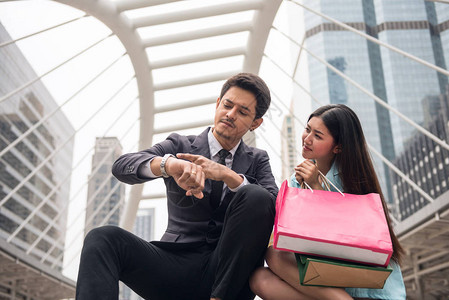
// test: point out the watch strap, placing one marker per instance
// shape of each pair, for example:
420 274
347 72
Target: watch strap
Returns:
163 163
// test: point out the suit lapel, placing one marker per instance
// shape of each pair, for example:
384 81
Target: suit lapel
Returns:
243 159
200 145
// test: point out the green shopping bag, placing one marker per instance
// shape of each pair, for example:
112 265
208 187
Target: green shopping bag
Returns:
319 271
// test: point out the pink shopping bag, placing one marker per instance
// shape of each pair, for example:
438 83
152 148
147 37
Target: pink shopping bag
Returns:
330 224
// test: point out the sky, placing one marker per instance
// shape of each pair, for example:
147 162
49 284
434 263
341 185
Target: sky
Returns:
46 50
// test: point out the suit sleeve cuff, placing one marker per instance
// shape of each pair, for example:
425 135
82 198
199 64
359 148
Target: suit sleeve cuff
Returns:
144 170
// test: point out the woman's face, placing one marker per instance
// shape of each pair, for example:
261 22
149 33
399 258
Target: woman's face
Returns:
317 142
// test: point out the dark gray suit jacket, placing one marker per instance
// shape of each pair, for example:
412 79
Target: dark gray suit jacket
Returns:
191 219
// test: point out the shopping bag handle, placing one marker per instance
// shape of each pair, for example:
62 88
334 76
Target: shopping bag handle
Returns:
326 182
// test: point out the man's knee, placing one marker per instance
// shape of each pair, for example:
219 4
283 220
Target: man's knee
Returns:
255 206
101 236
255 197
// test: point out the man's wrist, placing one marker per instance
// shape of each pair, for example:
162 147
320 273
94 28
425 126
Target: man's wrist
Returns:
232 179
163 165
243 183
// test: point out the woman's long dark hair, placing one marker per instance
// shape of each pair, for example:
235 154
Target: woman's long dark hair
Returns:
354 162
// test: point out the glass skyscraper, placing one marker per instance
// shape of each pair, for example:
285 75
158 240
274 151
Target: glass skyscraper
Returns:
288 147
415 26
35 173
105 194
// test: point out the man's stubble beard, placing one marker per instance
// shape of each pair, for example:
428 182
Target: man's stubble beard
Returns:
228 138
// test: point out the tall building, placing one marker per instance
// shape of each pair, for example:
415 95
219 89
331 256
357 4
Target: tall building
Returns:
105 194
420 30
424 161
35 173
143 228
288 147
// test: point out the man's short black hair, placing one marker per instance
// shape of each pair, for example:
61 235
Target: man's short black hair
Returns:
254 84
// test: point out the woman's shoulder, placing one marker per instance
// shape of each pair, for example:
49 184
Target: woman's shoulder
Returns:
293 182
334 177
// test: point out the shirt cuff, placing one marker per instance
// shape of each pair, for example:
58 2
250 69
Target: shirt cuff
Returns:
144 170
245 182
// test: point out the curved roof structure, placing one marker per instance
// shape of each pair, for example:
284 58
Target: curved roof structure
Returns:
129 20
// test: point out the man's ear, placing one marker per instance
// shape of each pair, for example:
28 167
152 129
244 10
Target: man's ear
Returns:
256 123
218 102
337 149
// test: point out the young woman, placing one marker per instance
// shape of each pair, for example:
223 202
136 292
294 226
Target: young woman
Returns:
334 144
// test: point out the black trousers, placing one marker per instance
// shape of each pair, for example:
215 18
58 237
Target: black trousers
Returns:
192 271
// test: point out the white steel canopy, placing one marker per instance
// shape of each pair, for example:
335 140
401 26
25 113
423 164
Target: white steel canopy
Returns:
130 19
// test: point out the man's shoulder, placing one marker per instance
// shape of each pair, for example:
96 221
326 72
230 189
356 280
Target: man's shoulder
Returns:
180 137
253 150
177 136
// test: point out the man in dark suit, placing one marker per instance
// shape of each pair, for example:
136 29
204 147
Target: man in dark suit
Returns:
220 198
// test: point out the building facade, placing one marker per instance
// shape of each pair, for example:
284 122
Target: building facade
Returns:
105 195
35 173
420 30
424 161
288 147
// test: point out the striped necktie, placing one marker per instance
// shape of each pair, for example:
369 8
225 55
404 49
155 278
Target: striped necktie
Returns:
217 186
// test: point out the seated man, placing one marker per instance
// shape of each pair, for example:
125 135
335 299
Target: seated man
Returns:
220 198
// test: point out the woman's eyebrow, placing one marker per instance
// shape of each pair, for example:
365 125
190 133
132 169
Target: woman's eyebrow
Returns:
319 132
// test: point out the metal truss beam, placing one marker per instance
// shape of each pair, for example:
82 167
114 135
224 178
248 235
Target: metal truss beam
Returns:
185 104
123 5
194 80
198 57
197 34
197 13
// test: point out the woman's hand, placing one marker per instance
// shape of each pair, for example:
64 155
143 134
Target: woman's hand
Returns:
308 171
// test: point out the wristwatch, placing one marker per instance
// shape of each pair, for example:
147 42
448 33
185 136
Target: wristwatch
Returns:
163 162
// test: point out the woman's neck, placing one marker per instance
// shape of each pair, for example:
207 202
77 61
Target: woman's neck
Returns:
325 164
